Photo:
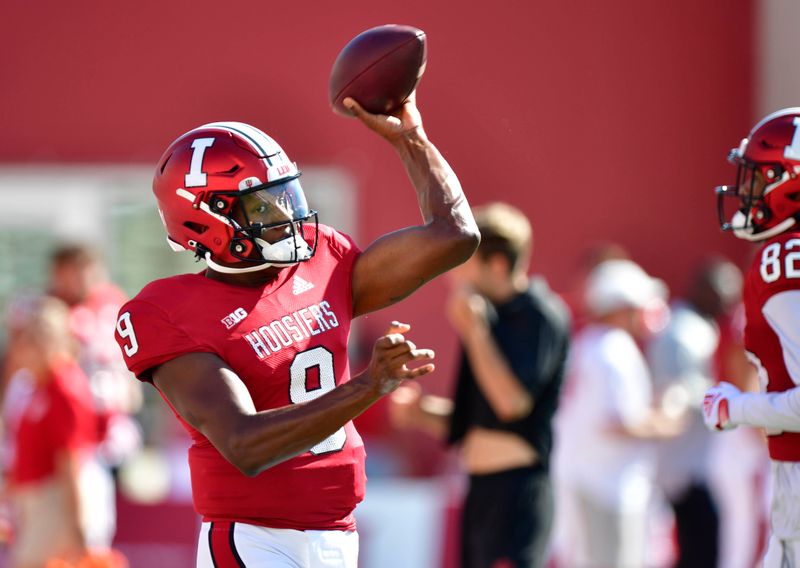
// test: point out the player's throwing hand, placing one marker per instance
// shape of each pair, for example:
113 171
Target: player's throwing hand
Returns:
390 358
392 127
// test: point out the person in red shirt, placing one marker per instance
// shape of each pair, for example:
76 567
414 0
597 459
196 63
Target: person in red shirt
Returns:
77 277
251 354
56 434
768 209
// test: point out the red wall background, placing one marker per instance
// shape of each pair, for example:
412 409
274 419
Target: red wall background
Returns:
602 120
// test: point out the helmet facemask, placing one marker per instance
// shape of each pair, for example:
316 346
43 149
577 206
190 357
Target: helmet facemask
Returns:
754 183
272 224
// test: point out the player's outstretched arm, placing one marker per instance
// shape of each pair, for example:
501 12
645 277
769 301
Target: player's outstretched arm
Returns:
208 395
396 264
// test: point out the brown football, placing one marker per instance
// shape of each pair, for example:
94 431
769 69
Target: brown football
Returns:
379 68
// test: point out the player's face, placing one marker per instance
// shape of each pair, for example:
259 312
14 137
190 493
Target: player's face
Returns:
751 183
275 208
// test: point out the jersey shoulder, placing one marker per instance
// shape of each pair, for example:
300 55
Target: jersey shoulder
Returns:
164 290
339 244
149 331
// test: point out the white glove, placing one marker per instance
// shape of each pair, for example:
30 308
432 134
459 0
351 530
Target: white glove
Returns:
715 406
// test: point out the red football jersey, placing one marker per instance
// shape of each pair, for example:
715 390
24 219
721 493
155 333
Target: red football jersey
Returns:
58 416
775 269
287 341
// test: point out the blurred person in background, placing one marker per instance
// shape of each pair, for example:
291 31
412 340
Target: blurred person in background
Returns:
739 459
78 277
515 334
682 360
56 438
607 425
591 256
252 354
767 200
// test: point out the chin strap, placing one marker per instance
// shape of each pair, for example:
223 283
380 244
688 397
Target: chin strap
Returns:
749 235
289 251
231 270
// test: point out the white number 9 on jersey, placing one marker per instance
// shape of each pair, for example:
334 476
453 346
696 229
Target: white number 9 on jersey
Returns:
303 362
125 330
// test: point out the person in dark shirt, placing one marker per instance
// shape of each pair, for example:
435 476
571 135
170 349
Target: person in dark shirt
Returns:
515 335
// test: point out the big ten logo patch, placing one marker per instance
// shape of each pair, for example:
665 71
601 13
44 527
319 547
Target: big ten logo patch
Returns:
234 317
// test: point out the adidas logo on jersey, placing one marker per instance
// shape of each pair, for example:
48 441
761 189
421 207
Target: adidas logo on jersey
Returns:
234 317
299 286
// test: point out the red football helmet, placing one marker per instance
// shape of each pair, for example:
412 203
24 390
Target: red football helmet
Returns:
228 192
767 185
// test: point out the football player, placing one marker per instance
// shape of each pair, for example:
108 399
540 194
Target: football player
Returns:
252 354
767 193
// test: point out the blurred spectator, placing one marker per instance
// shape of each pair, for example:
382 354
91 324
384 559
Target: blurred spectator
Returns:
591 256
682 359
515 335
606 424
739 460
78 280
78 277
56 438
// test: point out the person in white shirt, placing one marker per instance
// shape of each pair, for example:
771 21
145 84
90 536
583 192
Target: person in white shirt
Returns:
606 424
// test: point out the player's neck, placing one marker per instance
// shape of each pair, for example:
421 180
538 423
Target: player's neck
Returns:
246 279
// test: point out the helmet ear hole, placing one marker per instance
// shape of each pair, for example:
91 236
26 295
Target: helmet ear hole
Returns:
195 227
241 248
219 205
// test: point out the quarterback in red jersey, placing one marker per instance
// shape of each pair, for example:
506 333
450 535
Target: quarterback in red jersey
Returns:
768 194
252 354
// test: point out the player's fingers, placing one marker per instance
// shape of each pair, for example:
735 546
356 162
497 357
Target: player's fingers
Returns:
352 105
358 111
391 341
381 123
423 354
413 355
419 371
398 327
405 352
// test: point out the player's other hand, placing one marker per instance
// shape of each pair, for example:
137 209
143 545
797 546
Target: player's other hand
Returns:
391 356
404 120
715 406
